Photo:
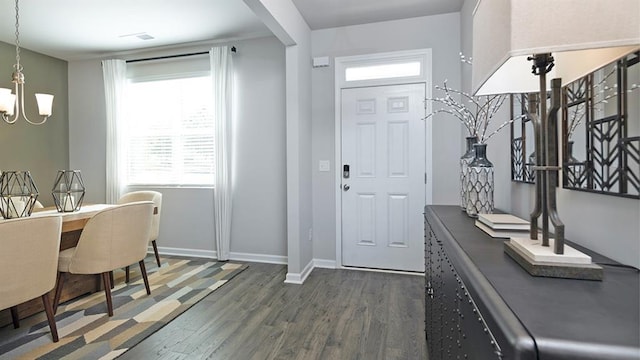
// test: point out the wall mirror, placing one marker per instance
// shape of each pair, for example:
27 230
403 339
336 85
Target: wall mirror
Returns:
522 141
523 155
601 130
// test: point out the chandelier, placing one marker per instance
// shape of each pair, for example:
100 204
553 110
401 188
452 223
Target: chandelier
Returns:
14 103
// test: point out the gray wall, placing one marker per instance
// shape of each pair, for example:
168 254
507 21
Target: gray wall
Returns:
285 22
87 127
441 33
41 149
299 143
259 208
606 224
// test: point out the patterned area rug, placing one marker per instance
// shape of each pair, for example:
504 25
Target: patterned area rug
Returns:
85 330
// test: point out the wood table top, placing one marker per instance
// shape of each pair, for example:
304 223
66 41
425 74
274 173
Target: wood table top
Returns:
72 221
76 220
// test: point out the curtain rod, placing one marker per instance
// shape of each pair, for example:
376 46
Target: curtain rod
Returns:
233 50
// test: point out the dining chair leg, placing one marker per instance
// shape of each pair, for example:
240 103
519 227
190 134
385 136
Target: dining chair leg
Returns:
155 251
107 292
50 316
143 270
126 274
59 284
111 278
14 317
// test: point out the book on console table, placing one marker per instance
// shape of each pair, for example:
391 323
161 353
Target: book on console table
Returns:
503 222
502 233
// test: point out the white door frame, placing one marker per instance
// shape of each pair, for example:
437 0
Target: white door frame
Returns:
341 64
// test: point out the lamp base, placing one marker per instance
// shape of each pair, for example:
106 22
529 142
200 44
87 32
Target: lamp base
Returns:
541 261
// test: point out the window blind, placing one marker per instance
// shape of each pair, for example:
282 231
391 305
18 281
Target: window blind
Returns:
169 129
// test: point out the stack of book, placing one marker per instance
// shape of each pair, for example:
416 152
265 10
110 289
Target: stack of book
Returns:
503 225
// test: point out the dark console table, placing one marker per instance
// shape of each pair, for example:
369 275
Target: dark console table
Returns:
480 304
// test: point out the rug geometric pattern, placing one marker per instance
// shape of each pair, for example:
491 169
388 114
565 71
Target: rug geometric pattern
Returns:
85 330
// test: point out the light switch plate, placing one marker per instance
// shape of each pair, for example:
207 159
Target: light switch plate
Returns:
324 165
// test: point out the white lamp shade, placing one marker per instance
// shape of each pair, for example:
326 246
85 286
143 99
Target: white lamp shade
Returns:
581 35
45 103
7 101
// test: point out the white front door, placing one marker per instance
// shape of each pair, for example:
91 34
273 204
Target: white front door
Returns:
383 177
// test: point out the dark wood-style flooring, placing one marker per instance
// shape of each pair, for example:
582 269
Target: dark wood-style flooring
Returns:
335 314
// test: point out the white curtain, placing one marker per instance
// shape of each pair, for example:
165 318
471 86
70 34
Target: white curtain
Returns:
222 78
114 73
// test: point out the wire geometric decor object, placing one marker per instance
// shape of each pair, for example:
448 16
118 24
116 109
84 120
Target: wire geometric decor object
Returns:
68 190
18 194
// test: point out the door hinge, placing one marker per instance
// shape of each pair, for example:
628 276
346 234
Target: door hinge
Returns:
425 178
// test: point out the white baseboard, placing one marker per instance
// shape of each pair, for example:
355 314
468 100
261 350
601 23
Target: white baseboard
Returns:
208 254
261 258
299 278
325 264
292 278
212 254
295 278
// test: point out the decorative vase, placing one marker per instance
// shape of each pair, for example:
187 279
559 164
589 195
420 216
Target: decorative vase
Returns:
465 160
480 183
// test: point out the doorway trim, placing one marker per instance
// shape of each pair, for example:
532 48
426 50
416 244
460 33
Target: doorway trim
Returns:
423 56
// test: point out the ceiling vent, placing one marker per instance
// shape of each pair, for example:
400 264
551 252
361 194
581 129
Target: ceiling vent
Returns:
145 36
140 35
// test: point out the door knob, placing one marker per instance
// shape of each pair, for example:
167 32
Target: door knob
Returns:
346 187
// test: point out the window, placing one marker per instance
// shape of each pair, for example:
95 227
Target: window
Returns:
383 68
169 132
383 71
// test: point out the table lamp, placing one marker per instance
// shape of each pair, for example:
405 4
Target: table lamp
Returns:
525 46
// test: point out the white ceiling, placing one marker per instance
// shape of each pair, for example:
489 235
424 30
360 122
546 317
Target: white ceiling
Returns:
81 29
76 29
321 14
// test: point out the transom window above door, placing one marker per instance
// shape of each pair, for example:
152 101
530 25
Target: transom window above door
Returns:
383 68
383 71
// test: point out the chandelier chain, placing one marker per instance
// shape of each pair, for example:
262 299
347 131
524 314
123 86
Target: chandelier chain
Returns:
17 66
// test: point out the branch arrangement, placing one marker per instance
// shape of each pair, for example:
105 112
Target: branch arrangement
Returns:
475 112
